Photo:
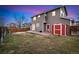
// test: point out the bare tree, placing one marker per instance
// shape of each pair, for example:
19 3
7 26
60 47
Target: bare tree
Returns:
19 20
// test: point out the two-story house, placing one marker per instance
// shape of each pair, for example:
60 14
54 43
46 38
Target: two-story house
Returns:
53 21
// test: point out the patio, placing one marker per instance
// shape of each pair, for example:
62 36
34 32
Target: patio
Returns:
40 33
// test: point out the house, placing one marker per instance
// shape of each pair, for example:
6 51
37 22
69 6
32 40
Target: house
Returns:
54 21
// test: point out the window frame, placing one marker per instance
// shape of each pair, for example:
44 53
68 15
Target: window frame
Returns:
62 14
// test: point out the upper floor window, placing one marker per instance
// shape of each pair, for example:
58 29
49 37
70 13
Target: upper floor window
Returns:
38 16
62 12
53 13
34 18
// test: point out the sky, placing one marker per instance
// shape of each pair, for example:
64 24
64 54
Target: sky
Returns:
8 12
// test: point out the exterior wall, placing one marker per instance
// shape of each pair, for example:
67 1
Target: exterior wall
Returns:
52 19
39 20
65 21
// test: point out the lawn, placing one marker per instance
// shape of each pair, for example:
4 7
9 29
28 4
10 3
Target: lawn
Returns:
33 44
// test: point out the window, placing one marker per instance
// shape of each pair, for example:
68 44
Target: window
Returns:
53 13
61 12
45 14
33 26
38 16
34 18
37 25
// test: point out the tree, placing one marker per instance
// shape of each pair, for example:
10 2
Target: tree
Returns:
19 20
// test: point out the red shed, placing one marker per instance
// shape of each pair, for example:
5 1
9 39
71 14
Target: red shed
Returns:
60 29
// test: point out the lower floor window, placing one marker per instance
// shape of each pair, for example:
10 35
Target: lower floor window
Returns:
33 26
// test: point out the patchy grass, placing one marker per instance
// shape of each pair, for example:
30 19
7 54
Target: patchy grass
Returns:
32 43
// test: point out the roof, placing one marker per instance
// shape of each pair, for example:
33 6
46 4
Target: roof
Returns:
51 10
67 18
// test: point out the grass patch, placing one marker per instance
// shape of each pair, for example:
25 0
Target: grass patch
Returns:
33 43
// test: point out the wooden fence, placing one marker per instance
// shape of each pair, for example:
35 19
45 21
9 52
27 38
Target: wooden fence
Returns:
18 30
3 32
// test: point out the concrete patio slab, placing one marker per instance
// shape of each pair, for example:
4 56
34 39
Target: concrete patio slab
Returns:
40 33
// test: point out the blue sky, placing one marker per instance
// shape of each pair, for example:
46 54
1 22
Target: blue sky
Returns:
9 11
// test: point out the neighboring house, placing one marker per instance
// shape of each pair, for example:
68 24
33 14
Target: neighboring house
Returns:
75 28
53 21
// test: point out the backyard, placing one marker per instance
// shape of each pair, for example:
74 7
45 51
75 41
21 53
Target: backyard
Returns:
29 43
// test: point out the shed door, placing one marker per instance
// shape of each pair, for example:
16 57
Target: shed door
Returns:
57 29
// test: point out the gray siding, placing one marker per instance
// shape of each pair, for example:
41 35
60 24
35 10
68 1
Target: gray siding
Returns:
39 20
55 19
52 19
65 21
